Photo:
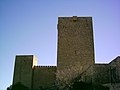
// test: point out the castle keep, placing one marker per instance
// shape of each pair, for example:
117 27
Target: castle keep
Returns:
75 57
75 42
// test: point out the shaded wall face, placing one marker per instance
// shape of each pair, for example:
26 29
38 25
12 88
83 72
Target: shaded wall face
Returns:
101 74
75 42
43 77
23 70
87 76
115 70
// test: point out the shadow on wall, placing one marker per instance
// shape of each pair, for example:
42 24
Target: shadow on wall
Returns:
18 86
87 86
75 86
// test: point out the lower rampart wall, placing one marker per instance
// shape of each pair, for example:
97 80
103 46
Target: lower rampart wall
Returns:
101 73
97 74
43 77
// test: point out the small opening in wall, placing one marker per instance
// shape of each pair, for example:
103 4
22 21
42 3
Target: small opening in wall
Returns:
74 18
75 51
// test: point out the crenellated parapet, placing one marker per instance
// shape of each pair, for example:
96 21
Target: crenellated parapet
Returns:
45 66
40 68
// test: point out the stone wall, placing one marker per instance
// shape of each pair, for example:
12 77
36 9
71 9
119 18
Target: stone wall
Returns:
87 75
75 43
75 57
101 74
23 69
115 70
97 74
43 76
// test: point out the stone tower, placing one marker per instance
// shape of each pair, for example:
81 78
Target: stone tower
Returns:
75 42
23 69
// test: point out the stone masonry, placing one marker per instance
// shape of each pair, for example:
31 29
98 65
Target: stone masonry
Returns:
75 57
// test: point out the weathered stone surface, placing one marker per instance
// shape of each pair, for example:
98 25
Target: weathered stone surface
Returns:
43 76
23 69
75 44
75 58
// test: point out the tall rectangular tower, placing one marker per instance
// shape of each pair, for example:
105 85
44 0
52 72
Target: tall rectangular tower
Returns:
75 42
23 69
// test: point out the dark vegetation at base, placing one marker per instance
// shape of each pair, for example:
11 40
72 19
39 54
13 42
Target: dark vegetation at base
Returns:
18 86
87 86
75 86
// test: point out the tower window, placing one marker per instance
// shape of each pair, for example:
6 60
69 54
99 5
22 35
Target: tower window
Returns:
74 18
75 51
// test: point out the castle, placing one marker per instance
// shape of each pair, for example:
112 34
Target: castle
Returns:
75 57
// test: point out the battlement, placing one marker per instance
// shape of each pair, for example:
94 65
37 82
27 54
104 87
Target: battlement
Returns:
75 19
45 67
24 55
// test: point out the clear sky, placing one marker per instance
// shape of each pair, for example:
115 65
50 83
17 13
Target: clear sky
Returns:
29 27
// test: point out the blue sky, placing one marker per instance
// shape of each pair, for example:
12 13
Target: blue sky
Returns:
29 27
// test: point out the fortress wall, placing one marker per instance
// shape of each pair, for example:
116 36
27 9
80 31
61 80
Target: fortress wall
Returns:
75 57
23 69
115 70
75 42
87 75
75 45
43 76
97 74
101 74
